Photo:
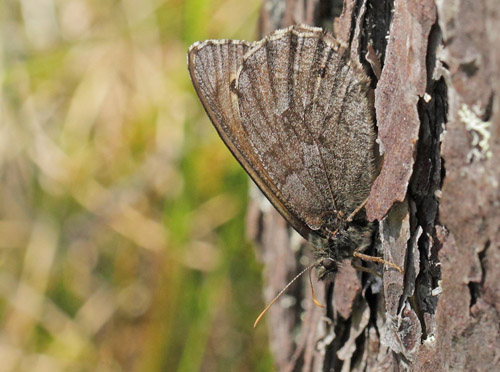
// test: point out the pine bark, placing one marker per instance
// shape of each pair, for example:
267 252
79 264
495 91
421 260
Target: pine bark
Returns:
435 67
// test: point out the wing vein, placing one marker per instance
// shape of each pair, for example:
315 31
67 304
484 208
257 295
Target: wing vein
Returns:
258 133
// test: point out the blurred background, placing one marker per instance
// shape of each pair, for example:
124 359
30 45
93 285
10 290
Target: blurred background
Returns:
122 244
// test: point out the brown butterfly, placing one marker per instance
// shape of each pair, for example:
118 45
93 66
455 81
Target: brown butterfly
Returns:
294 110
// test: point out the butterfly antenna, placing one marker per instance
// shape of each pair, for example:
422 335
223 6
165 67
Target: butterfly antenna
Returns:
316 302
279 294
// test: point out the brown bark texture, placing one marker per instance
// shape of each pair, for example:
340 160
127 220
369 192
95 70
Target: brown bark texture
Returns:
435 67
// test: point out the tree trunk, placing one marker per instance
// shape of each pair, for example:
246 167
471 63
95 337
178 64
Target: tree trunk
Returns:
436 199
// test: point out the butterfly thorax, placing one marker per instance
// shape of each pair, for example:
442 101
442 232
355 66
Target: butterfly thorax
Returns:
331 223
331 250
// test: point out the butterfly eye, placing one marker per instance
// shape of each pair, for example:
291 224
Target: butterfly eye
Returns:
328 263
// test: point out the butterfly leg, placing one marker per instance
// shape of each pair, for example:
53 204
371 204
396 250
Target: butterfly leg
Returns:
351 216
365 257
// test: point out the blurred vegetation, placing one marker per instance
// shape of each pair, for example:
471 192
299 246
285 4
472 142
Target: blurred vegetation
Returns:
122 243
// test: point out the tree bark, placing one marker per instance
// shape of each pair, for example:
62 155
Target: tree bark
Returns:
435 67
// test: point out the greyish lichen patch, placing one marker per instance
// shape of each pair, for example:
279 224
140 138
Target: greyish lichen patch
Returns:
480 131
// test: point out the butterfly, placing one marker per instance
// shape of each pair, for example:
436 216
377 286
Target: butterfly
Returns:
295 111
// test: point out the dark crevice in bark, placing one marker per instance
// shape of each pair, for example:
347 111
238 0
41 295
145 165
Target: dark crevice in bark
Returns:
434 42
372 301
424 190
476 287
360 349
342 334
376 26
474 293
326 10
426 183
482 257
355 16
415 305
488 110
329 288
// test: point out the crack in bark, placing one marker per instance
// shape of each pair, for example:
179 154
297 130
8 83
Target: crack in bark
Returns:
476 287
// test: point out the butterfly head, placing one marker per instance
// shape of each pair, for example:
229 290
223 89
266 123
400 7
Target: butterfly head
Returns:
327 269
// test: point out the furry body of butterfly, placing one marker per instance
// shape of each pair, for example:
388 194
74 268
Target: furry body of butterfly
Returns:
295 112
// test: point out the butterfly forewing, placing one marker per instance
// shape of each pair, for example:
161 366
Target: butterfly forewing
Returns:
294 111
300 106
213 66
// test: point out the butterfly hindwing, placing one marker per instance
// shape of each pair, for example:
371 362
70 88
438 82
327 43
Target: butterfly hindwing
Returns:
300 106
